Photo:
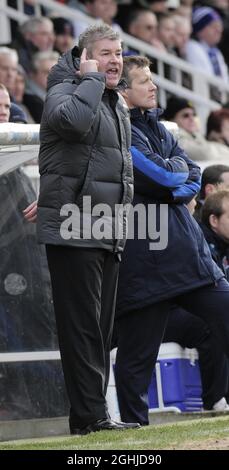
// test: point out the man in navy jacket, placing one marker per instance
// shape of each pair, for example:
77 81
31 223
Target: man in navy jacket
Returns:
152 280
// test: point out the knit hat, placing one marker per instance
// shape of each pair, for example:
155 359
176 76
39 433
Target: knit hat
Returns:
63 26
202 17
174 105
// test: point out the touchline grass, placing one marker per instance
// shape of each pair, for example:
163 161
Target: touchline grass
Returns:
209 433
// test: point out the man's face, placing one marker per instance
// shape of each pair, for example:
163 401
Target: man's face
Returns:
41 75
4 106
212 33
224 181
186 119
166 32
43 38
142 92
108 53
63 42
104 9
144 27
8 71
221 224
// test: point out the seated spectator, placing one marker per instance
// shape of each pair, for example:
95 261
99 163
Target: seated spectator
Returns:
194 143
215 225
8 68
35 35
166 31
142 24
183 32
214 177
64 34
29 7
104 10
37 83
202 51
218 130
4 104
19 93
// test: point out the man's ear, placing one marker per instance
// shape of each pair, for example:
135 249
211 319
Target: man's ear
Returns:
209 189
213 221
124 93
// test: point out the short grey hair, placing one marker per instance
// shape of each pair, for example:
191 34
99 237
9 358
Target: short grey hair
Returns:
96 33
42 56
7 51
32 25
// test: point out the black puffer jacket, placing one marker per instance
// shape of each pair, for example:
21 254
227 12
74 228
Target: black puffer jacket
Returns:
85 141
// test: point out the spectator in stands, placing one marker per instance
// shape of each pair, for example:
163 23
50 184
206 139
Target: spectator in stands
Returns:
29 8
151 280
19 93
166 31
183 32
215 225
64 34
222 8
194 143
36 85
142 24
214 178
4 104
202 51
104 10
218 131
8 73
8 68
35 35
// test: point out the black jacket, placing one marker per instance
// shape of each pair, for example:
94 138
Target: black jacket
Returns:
85 141
163 174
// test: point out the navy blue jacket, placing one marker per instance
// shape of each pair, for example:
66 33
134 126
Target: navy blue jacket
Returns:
163 173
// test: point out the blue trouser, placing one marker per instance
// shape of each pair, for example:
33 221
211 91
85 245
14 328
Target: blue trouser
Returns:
140 333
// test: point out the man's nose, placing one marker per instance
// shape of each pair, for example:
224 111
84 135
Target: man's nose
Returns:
115 58
153 87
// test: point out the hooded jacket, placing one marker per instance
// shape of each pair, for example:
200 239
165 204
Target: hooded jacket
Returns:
163 173
84 160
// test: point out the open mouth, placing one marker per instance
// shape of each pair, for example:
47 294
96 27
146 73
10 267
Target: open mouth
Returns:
112 72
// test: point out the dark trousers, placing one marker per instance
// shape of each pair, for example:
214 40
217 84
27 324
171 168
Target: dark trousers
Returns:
139 336
191 331
84 283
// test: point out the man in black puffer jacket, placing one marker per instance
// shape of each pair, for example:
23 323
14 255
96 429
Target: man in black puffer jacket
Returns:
181 271
86 171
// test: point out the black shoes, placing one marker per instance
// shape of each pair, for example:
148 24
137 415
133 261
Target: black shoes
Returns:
103 425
